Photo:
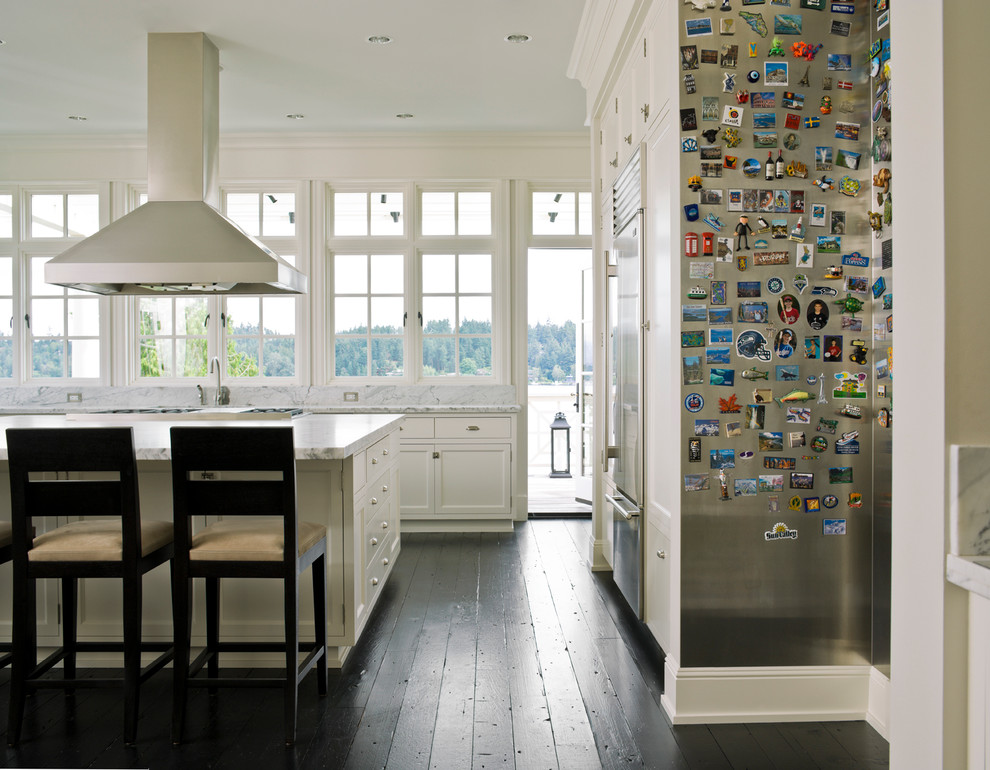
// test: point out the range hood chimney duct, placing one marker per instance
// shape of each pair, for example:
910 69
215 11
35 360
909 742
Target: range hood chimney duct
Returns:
178 242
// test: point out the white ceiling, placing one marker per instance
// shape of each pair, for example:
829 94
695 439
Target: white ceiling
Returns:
448 64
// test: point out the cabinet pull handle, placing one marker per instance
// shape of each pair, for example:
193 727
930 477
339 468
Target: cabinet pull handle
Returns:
629 139
615 162
374 541
473 427
374 501
374 581
661 554
645 109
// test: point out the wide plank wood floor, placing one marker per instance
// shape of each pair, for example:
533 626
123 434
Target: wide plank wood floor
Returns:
486 651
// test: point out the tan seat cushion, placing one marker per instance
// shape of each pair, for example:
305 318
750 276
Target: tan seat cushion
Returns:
96 540
250 539
5 534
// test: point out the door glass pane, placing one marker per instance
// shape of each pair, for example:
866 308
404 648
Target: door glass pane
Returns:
280 315
84 215
47 216
386 356
438 213
476 315
47 319
280 357
386 315
84 318
350 214
278 214
474 213
350 357
84 358
386 214
6 216
387 274
350 315
475 275
438 273
47 358
350 274
438 356
438 315
242 209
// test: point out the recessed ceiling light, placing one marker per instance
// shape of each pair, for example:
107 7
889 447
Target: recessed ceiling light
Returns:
517 38
295 116
77 117
380 39
404 115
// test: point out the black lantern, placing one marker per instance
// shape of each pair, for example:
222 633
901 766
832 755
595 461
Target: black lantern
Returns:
560 447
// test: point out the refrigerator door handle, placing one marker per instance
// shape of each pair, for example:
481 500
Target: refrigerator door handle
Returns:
621 505
611 274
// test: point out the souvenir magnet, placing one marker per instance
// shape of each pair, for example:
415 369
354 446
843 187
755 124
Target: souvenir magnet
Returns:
696 292
781 531
691 212
694 450
694 402
729 405
858 353
855 500
728 82
753 76
883 417
819 444
794 503
800 282
752 50
833 526
775 285
812 505
690 244
694 182
830 501
723 485
689 84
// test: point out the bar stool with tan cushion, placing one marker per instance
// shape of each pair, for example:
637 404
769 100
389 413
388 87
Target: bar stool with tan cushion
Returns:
246 476
88 474
5 538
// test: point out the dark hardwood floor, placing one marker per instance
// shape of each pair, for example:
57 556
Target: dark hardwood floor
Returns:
486 651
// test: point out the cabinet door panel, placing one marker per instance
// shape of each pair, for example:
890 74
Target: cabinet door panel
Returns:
658 585
416 480
472 480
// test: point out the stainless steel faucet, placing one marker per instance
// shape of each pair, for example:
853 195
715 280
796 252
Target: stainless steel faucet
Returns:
223 394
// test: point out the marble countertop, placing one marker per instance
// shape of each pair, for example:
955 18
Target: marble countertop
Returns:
356 408
969 572
316 436
967 564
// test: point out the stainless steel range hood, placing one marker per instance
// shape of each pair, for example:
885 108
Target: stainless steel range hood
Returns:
178 242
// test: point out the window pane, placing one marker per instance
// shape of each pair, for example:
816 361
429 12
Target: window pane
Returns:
386 315
154 315
84 215
280 357
350 274
156 358
47 216
386 214
438 273
84 318
475 275
6 276
279 314
243 315
84 358
47 358
350 315
474 213
553 213
386 356
438 315
6 317
242 357
190 358
6 358
242 208
475 357
387 274
476 315
278 214
438 356
190 315
350 214
350 357
585 223
46 318
438 213
6 216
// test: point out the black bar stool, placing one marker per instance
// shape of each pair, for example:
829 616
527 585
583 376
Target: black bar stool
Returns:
245 475
90 473
5 550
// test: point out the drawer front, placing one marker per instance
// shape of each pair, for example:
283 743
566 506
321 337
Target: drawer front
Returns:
416 427
378 496
380 454
377 546
474 427
377 570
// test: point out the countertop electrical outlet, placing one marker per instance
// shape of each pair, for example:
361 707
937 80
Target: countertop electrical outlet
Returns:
350 396
74 398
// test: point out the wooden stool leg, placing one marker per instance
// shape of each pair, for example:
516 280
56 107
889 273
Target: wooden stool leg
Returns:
319 570
70 619
132 654
213 629
25 653
181 621
291 656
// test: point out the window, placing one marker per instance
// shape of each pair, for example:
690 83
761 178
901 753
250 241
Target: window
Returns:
457 213
63 215
6 215
364 213
6 316
368 315
457 314
561 213
173 339
261 336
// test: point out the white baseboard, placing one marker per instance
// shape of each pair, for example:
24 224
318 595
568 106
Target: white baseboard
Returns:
765 694
878 714
457 525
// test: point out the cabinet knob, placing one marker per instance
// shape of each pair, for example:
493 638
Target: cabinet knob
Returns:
384 487
614 163
645 109
374 461
374 581
385 452
628 139
436 455
374 541
374 501
385 562
661 554
384 525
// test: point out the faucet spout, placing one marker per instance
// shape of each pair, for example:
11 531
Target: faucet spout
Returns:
215 366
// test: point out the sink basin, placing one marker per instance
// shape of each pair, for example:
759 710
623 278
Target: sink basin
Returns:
187 413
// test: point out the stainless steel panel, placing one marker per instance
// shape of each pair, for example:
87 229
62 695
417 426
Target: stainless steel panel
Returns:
627 561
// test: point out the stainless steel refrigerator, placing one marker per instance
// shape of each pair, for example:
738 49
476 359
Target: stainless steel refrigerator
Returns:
625 471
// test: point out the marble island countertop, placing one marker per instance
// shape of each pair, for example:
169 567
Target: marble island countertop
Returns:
967 565
969 572
356 408
316 436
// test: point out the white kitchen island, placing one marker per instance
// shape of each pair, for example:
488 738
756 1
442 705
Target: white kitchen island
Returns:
347 479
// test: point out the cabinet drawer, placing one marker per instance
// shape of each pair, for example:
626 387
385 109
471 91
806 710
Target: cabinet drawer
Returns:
416 427
379 454
378 496
473 427
377 569
375 538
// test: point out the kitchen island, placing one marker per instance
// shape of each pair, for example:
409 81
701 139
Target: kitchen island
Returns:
347 479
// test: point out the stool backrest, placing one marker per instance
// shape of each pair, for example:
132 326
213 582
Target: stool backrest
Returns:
233 471
73 472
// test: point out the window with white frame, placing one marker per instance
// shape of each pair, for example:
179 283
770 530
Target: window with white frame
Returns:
254 336
374 291
561 212
6 286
